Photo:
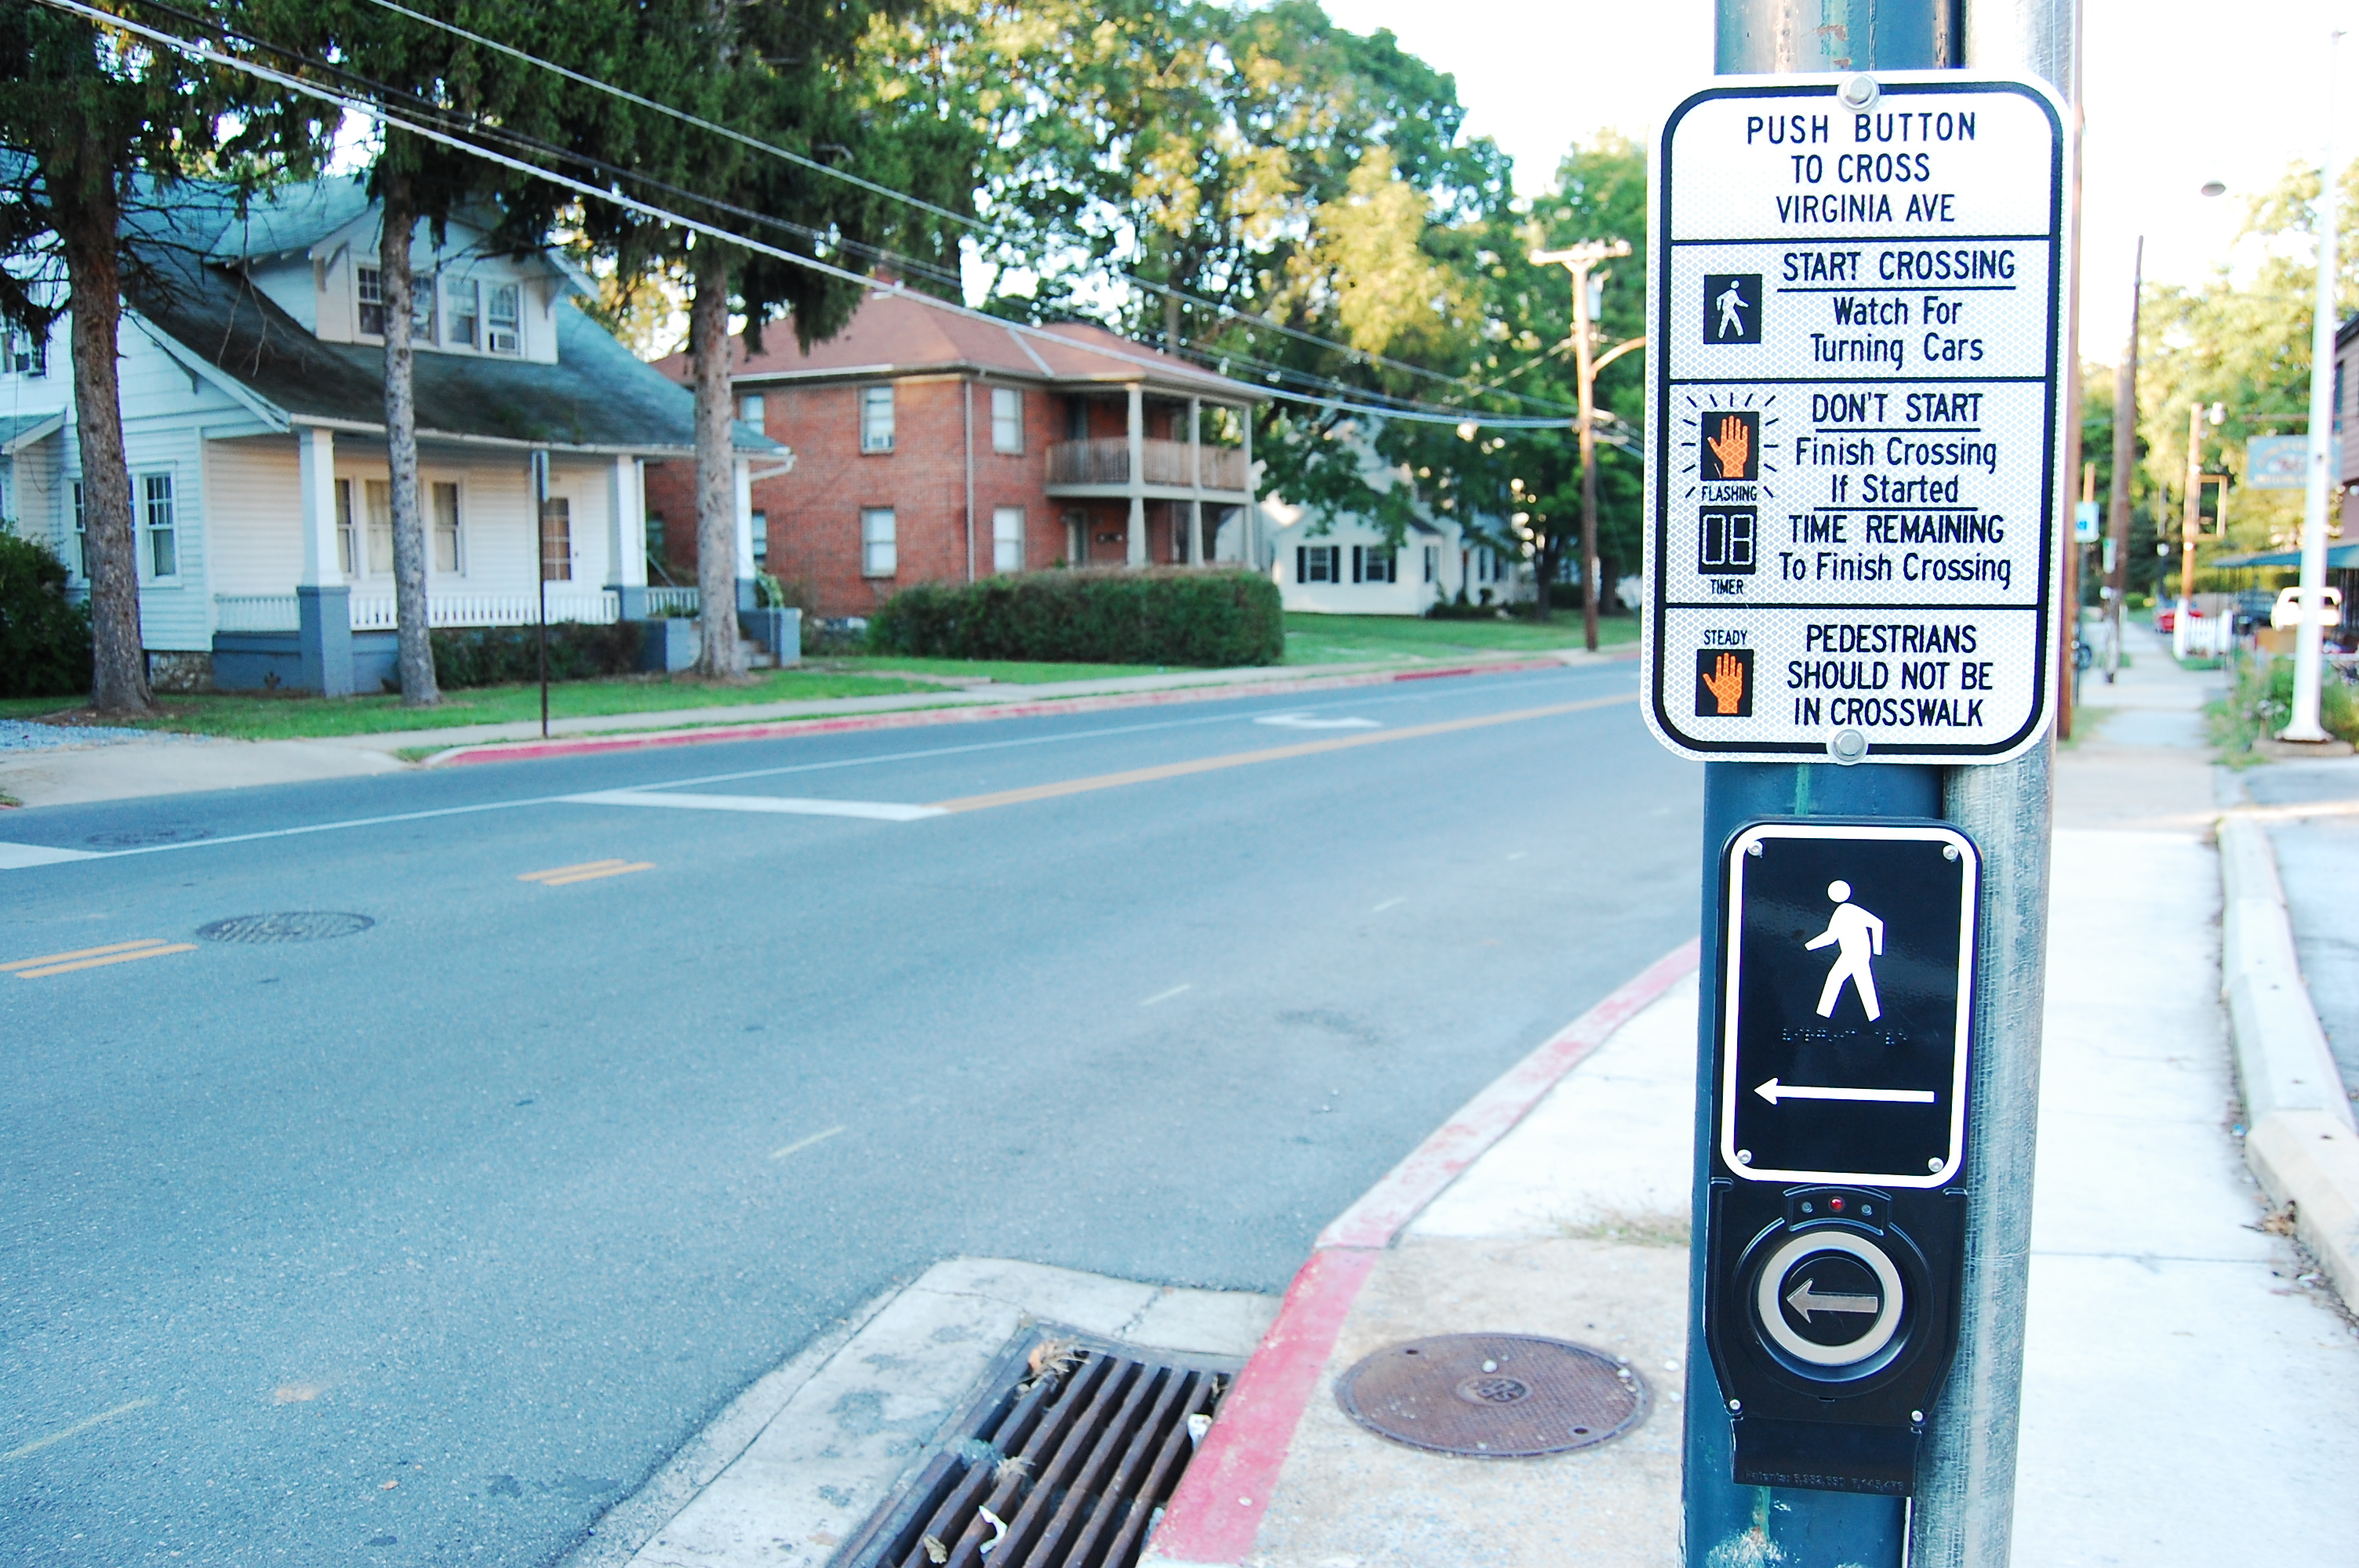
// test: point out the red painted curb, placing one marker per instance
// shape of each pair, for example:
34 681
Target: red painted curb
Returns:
525 751
1215 1515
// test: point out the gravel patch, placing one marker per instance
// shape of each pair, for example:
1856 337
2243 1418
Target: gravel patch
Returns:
19 735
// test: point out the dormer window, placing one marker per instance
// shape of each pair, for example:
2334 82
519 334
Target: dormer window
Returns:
464 312
372 298
502 332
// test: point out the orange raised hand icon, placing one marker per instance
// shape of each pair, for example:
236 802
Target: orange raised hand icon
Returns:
1726 684
1734 448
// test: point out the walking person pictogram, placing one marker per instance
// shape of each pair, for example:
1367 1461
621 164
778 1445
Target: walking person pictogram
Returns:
1732 310
1858 937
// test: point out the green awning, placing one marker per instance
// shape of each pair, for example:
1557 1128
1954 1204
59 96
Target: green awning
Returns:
2339 559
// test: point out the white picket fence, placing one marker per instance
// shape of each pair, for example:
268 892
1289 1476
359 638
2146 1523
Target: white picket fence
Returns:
671 601
375 612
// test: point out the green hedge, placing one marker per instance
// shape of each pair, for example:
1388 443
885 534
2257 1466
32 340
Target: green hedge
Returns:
44 639
1096 616
501 655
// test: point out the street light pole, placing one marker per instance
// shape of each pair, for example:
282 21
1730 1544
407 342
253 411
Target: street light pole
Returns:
2117 541
2307 637
1578 260
2190 520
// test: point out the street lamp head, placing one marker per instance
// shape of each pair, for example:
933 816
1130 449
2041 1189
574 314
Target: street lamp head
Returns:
2214 188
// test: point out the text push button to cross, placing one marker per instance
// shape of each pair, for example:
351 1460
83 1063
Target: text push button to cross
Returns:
1829 1299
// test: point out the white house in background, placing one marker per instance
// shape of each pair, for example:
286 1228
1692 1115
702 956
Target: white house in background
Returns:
253 399
1348 567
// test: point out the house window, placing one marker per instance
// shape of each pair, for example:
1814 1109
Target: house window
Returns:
347 546
81 535
1432 562
25 353
446 528
749 409
462 309
163 531
1374 563
557 540
875 418
502 332
655 535
1006 420
378 495
422 291
761 534
1007 539
372 297
1316 563
877 554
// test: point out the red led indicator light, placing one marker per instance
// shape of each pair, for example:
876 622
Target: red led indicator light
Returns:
1836 1205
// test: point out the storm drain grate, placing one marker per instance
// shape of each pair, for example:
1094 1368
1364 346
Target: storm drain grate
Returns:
1493 1396
288 926
1066 1466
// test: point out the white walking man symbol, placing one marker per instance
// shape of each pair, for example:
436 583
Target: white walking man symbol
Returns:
1856 935
1732 310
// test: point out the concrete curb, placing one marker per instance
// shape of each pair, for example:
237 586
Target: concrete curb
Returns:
2301 1141
526 750
1214 1517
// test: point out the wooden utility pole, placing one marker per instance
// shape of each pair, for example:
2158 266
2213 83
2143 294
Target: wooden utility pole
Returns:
2118 570
1578 260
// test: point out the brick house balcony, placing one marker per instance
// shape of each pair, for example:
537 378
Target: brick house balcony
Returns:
1102 465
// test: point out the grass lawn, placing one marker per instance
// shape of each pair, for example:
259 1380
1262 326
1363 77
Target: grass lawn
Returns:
1013 672
257 717
1350 639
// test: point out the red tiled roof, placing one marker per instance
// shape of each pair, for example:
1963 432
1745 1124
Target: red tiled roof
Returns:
896 333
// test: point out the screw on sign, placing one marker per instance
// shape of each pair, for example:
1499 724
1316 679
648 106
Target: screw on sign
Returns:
1836 1187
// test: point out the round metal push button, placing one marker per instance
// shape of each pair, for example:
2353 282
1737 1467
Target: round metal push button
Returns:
1829 1299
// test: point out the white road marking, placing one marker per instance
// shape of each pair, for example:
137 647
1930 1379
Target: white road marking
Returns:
13 856
1163 996
784 805
1308 721
801 1143
1389 903
75 1430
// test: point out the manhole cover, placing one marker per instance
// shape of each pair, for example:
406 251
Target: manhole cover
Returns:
290 925
1492 1396
135 838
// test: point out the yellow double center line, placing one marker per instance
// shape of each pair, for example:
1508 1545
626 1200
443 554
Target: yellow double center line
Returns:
588 870
94 957
1272 755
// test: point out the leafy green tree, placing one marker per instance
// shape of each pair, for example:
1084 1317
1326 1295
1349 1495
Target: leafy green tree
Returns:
97 125
797 74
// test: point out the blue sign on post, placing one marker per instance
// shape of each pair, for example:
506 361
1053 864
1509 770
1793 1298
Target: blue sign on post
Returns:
2084 523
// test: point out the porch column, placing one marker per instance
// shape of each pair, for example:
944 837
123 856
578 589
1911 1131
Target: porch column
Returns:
743 469
626 538
1249 520
1196 482
323 600
1137 554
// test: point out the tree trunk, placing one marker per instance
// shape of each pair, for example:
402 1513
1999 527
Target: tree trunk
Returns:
716 474
1544 569
410 615
84 201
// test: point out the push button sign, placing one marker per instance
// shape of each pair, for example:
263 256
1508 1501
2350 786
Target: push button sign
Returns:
1829 1299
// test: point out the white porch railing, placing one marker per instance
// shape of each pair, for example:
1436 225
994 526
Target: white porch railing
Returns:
375 612
664 602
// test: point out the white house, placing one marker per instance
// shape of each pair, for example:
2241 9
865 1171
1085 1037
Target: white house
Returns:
253 400
1349 568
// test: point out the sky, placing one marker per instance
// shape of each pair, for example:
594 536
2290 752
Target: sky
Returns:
2177 94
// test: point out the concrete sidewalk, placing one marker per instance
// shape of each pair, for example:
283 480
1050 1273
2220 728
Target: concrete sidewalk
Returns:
2190 1391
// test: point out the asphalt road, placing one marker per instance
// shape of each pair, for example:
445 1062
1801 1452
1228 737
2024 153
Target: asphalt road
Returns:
2317 862
425 1244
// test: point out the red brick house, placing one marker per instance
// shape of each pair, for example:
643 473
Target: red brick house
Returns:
931 447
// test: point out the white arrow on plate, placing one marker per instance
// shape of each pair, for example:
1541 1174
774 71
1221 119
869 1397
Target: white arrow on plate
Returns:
1773 1091
1804 1299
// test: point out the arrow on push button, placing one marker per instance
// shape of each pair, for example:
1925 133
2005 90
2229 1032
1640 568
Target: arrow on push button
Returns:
1773 1091
1804 1299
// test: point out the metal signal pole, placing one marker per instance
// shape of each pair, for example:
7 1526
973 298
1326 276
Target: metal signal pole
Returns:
2117 533
1578 260
1963 1510
2308 638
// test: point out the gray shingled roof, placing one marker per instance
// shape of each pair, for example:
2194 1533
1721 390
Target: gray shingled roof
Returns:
598 394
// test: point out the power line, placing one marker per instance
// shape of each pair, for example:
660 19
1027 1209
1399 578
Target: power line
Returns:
990 231
385 115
